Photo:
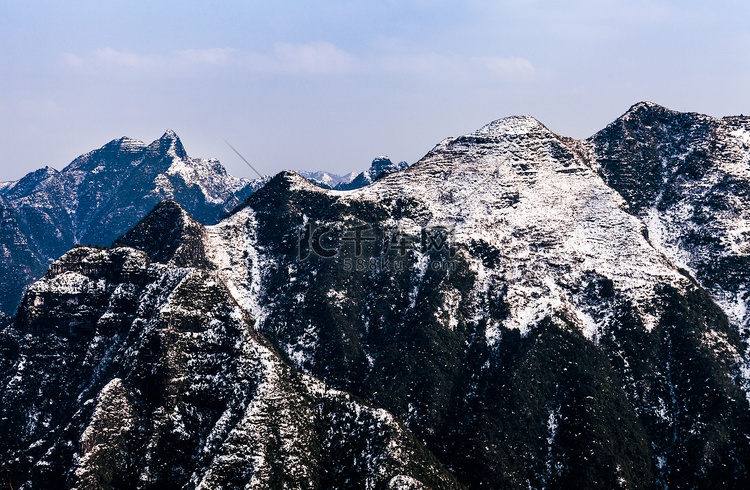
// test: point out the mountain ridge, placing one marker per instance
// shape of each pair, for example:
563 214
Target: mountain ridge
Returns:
516 300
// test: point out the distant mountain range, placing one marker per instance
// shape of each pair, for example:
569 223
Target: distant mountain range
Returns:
518 309
380 167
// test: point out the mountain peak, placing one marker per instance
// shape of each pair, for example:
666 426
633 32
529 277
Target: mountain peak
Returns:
646 104
380 166
512 125
168 145
645 108
171 138
167 234
381 162
383 165
30 181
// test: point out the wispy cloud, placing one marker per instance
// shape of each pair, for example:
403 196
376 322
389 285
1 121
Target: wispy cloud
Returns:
211 56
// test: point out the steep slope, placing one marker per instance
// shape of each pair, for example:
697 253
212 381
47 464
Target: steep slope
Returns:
688 177
500 298
103 193
122 372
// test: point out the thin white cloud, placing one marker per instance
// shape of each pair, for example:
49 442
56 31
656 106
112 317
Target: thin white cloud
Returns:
319 58
107 59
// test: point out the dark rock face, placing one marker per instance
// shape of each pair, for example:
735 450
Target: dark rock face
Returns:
100 196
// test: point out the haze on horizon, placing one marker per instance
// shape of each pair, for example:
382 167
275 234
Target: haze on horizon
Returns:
329 85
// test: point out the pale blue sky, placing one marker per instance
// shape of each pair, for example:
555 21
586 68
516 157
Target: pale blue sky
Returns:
330 85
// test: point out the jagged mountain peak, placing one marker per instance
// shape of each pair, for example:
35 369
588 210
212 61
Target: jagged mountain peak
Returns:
168 145
643 112
171 209
117 154
646 105
381 161
519 143
168 234
170 134
128 145
494 137
40 174
647 114
103 193
686 174
327 180
380 167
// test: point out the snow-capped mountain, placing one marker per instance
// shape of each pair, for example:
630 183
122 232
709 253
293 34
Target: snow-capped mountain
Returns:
507 356
101 195
521 308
